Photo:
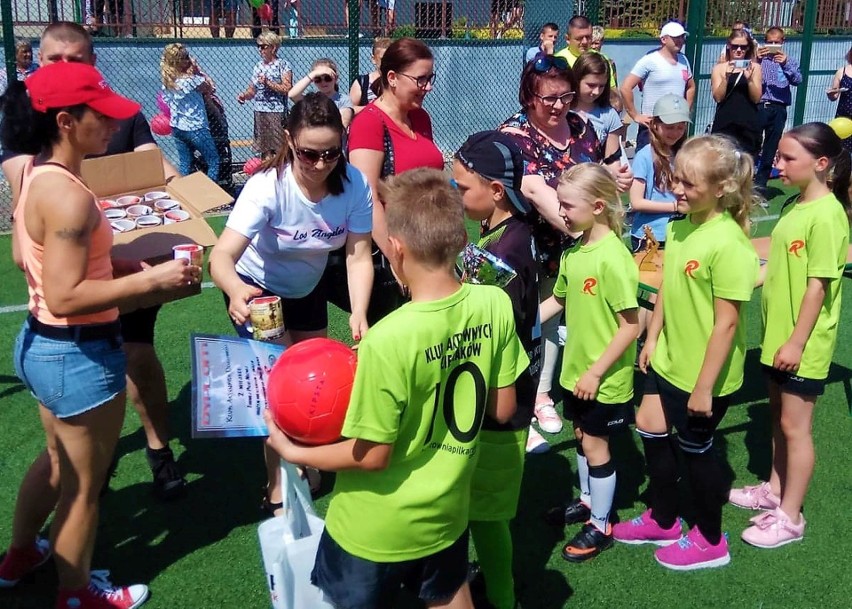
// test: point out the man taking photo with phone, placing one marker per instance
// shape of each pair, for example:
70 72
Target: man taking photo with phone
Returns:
780 72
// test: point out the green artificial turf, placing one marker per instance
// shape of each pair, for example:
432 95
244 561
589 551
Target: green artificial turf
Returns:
202 551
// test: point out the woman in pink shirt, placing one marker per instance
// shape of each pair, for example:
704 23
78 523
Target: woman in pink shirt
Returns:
391 135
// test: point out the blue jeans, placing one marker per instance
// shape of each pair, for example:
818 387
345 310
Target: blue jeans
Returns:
201 140
772 118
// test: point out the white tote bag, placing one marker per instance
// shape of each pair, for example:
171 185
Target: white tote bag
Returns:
289 544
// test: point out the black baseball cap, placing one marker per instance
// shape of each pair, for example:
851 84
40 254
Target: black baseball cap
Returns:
495 156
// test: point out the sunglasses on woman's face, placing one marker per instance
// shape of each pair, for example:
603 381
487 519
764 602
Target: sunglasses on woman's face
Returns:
739 47
263 46
312 157
323 78
545 62
550 100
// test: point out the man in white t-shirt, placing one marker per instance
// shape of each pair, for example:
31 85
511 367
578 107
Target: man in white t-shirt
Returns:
658 73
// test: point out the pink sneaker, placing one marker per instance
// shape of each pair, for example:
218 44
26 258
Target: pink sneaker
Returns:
773 530
19 563
694 552
758 497
548 419
644 529
536 444
101 594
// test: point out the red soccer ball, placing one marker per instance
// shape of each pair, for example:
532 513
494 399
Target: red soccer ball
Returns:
252 165
160 125
309 389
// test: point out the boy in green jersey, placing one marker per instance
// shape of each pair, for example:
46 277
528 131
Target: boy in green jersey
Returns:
801 315
427 375
488 169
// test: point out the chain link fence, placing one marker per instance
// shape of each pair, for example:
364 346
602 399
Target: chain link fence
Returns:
478 44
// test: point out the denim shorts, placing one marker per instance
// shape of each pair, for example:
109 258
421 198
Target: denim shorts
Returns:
67 377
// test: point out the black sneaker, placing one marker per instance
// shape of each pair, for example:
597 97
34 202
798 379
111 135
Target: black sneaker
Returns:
588 543
169 483
571 513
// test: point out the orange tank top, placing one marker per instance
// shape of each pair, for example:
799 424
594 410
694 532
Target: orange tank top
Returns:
98 267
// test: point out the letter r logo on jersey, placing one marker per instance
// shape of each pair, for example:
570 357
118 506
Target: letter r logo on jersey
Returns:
690 267
795 246
588 284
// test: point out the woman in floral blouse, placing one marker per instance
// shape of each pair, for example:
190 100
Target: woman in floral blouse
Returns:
551 139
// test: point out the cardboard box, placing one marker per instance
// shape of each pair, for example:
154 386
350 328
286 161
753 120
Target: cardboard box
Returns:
136 173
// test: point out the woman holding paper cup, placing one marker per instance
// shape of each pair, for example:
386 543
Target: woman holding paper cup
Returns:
68 352
303 203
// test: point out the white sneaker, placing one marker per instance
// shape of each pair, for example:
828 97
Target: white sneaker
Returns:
536 444
548 419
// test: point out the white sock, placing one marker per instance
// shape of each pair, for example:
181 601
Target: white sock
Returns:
583 473
602 485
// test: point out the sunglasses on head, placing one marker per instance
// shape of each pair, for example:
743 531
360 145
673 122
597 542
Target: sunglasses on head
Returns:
739 47
323 78
545 62
311 156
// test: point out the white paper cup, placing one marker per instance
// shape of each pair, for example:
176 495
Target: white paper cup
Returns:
148 221
107 203
136 211
115 213
156 195
164 205
128 200
190 251
123 226
176 215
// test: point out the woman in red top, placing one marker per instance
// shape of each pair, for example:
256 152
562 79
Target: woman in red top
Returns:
391 135
68 352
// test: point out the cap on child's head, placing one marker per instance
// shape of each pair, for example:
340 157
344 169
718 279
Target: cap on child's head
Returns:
671 109
495 156
64 84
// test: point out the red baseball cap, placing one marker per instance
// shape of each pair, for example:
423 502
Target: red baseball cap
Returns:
64 84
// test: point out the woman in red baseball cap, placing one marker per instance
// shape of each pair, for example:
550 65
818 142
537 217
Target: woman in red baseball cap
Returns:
68 352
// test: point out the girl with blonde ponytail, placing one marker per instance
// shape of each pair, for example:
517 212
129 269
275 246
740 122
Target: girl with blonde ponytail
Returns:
694 351
596 285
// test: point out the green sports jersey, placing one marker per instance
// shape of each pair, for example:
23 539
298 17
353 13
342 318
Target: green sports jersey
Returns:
597 281
703 262
422 383
810 240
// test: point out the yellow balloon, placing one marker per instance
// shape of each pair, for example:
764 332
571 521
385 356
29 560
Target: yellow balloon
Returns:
842 126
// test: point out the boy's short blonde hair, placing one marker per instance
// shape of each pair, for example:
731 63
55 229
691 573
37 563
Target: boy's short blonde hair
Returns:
598 33
270 38
425 213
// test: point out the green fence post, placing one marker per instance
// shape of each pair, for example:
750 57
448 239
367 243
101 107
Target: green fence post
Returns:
8 40
696 17
354 37
805 61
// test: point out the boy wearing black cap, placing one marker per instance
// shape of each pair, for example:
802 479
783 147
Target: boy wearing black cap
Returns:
487 170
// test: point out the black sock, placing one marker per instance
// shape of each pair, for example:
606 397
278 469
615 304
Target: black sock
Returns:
710 491
158 455
662 477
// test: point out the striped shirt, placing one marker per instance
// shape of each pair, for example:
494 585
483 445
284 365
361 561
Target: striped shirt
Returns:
661 77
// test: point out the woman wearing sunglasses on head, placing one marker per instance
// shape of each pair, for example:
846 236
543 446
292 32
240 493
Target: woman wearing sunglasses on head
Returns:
300 205
271 79
324 76
391 135
736 85
551 139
